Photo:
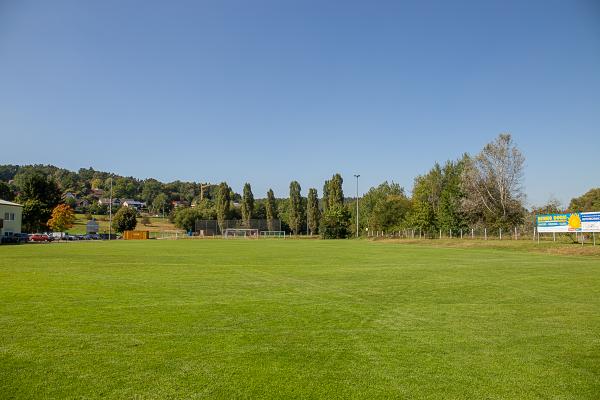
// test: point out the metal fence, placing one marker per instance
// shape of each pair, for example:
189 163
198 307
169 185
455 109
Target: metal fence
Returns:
484 233
211 227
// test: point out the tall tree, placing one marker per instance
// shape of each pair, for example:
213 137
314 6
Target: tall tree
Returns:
271 210
296 213
449 215
247 205
325 196
312 211
335 220
335 193
422 213
223 204
492 184
39 194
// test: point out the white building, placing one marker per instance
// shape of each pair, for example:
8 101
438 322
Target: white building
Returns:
138 205
11 215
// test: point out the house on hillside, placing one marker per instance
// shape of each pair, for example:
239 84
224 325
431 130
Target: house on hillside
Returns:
82 203
138 205
97 193
106 202
179 203
11 215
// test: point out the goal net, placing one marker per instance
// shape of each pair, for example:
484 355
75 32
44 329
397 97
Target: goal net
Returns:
240 233
273 234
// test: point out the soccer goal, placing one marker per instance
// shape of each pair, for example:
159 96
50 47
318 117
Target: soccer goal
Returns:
272 234
231 233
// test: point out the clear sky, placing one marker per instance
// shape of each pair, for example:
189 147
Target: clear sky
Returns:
276 90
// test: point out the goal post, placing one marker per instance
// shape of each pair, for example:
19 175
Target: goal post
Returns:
231 233
272 234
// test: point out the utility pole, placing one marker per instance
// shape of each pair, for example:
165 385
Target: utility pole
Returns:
205 186
357 176
110 211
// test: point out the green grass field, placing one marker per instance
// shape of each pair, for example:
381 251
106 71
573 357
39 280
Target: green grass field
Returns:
296 319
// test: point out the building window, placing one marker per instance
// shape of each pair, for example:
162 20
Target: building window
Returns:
9 216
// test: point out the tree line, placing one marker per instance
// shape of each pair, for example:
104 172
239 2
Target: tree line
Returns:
480 190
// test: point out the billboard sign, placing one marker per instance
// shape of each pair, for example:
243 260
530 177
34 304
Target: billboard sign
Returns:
569 222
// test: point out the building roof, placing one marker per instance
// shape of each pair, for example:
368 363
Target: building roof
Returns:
9 203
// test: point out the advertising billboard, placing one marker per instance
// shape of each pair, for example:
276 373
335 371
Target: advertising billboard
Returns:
569 222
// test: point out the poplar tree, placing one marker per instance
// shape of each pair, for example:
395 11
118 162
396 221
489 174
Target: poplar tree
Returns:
336 193
295 212
325 196
223 204
312 210
271 210
335 221
247 205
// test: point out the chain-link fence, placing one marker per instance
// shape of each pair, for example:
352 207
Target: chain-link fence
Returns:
211 227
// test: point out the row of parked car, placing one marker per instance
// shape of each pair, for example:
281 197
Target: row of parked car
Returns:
17 238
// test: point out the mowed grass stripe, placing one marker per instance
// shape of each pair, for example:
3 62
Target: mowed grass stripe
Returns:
296 319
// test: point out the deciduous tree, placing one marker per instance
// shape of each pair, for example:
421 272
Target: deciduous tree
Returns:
39 194
160 202
296 211
271 210
335 223
63 217
125 219
247 205
590 201
223 204
492 184
312 210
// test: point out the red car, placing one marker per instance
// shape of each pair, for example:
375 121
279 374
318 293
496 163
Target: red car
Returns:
38 237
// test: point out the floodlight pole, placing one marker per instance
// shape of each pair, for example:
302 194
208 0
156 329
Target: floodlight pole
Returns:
357 176
110 211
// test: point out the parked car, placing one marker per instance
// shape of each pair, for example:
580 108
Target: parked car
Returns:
21 237
57 235
38 237
9 239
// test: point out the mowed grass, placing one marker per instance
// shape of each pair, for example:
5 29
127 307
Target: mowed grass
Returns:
296 319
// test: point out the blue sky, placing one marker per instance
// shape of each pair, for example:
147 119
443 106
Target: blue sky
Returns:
271 91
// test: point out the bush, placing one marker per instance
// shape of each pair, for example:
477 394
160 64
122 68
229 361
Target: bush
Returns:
185 217
125 220
335 223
